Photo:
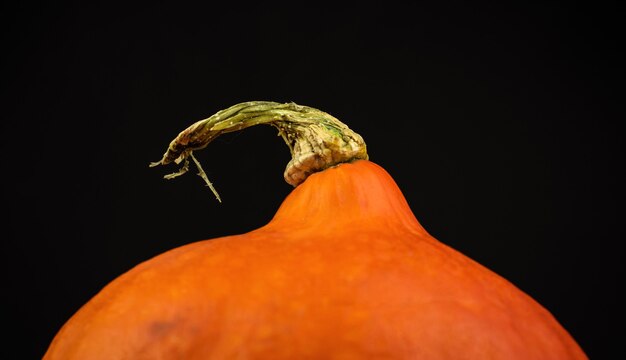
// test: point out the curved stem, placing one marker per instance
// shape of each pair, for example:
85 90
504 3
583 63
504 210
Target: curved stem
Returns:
316 139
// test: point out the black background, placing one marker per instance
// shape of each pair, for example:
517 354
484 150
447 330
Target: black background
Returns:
501 125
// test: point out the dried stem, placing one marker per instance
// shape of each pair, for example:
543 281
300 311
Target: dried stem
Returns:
316 139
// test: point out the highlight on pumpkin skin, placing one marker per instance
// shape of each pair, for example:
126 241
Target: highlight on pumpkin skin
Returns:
315 139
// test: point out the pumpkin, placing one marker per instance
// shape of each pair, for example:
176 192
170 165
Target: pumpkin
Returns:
343 271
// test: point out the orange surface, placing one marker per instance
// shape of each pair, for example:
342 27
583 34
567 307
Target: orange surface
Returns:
343 271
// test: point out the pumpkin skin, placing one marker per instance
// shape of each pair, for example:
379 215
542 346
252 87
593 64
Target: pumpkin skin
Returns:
343 271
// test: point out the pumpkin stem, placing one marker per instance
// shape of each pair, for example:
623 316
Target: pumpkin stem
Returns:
316 139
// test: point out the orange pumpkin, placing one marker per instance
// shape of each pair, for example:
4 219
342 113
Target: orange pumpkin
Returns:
343 271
